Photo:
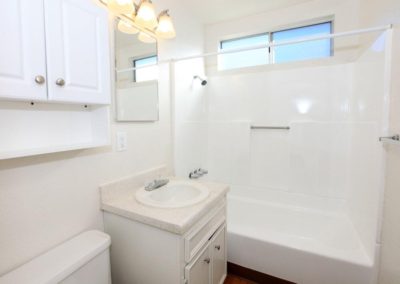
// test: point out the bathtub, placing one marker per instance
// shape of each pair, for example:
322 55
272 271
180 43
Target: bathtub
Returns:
299 244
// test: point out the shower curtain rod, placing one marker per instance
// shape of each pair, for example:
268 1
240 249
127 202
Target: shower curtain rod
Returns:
273 44
288 42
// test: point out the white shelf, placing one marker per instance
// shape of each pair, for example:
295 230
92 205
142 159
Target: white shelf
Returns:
28 130
47 150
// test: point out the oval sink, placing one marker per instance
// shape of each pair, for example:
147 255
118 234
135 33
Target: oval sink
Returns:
173 195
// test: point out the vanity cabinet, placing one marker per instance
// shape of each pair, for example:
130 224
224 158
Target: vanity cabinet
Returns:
55 51
144 254
199 271
218 249
210 264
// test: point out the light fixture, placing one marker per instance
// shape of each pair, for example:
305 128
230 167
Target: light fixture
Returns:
165 28
141 18
143 37
145 15
127 28
121 6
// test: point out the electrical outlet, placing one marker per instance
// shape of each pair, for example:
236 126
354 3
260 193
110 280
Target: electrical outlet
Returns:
122 141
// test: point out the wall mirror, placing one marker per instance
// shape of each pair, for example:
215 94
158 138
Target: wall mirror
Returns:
136 76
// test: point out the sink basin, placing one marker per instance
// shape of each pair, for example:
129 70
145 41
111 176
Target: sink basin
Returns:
175 194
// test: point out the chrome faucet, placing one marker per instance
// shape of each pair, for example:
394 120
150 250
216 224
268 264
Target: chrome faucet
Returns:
157 183
197 173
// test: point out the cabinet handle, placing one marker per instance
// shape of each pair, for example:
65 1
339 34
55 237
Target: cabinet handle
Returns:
218 247
60 82
40 79
207 260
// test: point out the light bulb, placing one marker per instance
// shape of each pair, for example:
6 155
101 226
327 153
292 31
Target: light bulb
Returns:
165 28
143 37
121 6
146 16
127 28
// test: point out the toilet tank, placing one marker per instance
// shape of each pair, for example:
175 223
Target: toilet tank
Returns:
83 259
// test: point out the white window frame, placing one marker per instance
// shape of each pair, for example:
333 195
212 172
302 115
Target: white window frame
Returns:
281 29
141 58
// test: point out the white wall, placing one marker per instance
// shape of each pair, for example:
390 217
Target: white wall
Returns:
378 13
47 199
366 155
190 116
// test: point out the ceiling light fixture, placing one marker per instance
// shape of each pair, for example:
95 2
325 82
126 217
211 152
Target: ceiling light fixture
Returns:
165 28
141 19
121 6
146 16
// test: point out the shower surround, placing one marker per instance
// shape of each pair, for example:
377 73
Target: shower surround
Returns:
305 202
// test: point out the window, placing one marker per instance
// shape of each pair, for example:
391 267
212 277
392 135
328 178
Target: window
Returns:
145 73
244 58
305 50
278 54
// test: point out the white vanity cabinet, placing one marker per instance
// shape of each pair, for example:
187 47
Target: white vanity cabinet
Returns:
219 260
144 254
54 50
210 264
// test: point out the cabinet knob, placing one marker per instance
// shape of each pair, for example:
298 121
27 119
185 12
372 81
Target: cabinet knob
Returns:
207 260
40 79
60 82
218 247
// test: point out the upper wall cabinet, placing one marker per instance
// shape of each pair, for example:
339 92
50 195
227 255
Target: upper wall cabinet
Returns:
22 50
55 50
77 41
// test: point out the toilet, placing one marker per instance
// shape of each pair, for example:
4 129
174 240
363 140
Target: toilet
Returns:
83 259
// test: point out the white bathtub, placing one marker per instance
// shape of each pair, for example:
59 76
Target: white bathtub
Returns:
302 245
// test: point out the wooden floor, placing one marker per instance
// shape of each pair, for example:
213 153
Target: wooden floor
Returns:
232 279
240 275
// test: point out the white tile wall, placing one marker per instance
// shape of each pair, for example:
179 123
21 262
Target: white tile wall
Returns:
331 151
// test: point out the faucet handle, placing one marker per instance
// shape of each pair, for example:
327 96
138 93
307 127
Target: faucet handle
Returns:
194 175
202 171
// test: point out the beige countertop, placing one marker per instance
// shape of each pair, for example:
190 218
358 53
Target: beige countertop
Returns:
119 198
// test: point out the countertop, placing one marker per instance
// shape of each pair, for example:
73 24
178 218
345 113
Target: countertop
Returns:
119 198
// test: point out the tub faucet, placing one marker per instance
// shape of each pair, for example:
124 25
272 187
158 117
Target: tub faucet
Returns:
197 173
157 183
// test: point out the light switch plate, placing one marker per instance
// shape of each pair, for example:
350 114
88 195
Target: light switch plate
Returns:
122 141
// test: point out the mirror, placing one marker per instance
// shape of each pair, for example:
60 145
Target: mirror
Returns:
136 78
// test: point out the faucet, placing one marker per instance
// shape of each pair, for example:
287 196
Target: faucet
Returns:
157 183
197 173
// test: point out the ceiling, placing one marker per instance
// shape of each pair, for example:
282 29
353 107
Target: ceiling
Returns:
212 11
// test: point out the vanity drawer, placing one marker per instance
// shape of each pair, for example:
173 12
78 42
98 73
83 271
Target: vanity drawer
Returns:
202 233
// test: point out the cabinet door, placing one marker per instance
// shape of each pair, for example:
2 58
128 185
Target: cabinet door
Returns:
22 50
218 257
198 271
78 53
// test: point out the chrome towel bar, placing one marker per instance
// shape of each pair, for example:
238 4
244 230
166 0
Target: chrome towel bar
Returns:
392 138
270 127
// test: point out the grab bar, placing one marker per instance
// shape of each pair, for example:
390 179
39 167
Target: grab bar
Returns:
270 127
390 138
